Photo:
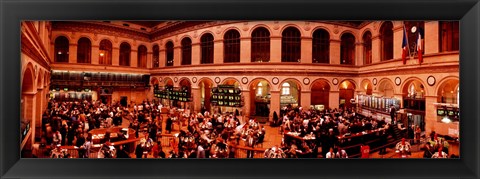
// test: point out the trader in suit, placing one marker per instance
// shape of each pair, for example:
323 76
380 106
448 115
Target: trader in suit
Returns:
392 113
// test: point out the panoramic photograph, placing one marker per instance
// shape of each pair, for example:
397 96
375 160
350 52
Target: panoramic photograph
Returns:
240 89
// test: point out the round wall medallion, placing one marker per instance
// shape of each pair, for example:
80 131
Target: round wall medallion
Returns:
398 81
275 80
306 81
374 81
194 79
175 79
431 80
335 81
244 80
160 79
217 80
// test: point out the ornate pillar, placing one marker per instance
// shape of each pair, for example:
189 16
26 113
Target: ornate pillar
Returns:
376 49
432 37
334 99
274 103
197 99
115 56
95 54
275 49
218 52
306 50
247 103
195 53
245 50
72 53
306 99
177 56
335 51
397 39
134 58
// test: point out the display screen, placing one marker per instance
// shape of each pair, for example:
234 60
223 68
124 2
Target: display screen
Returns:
440 112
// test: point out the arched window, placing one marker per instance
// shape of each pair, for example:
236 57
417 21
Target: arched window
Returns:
61 49
367 48
186 51
84 50
386 39
169 54
285 88
231 46
449 38
347 49
206 45
124 54
321 46
291 45
260 45
105 54
156 56
142 56
259 90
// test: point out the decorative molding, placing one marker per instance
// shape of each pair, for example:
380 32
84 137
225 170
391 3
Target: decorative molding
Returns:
217 80
276 26
398 81
194 79
335 81
275 80
374 81
244 80
306 81
431 80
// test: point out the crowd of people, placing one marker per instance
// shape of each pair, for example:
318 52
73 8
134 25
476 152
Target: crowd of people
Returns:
217 135
327 128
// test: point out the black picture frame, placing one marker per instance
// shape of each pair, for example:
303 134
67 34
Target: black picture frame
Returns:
12 12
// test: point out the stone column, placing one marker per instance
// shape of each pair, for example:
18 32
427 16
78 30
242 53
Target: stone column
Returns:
115 56
275 49
359 54
397 40
150 59
195 53
247 102
306 50
306 99
274 103
334 99
376 49
177 56
218 52
335 51
95 54
161 59
38 111
72 53
245 50
134 58
430 114
197 99
30 111
432 37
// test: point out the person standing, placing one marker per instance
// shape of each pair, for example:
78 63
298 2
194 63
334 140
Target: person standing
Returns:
393 111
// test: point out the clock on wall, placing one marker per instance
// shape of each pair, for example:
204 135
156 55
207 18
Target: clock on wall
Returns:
306 81
275 80
217 80
431 80
374 81
335 81
194 79
244 80
398 81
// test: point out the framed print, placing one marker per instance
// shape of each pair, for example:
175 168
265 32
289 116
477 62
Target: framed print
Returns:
94 86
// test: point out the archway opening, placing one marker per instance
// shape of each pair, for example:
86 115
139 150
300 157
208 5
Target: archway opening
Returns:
320 95
347 91
206 92
260 98
290 92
